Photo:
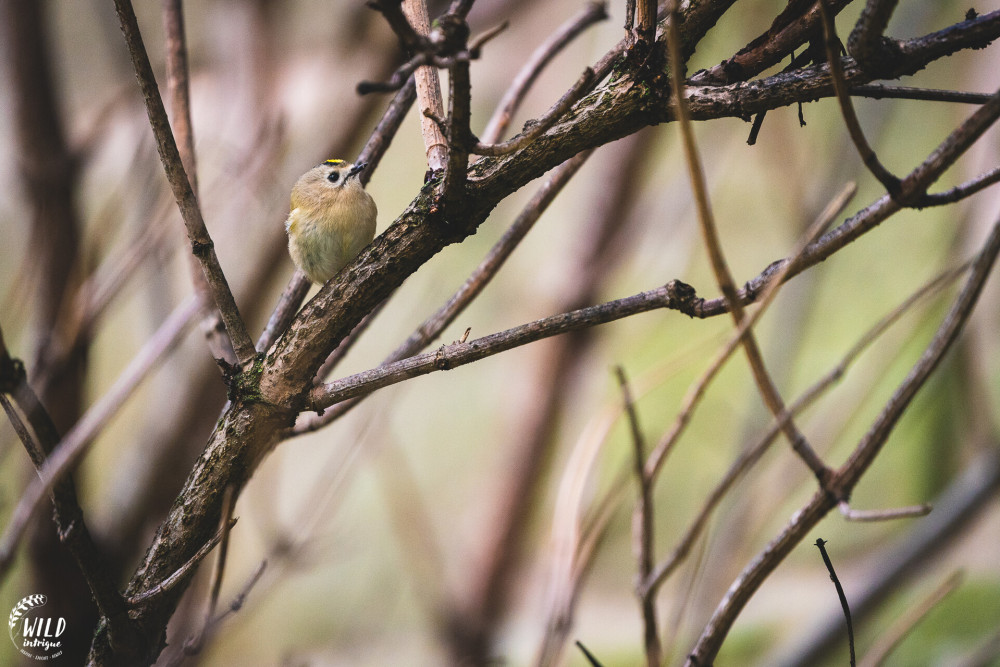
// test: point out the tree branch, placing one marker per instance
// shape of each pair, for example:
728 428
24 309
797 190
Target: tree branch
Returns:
202 245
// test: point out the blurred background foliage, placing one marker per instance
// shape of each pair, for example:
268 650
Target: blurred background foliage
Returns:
273 87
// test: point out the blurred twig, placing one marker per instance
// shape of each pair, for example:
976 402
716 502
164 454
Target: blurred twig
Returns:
642 527
847 476
768 390
75 442
889 640
496 127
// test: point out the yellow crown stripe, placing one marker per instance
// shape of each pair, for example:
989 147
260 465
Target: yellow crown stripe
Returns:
334 162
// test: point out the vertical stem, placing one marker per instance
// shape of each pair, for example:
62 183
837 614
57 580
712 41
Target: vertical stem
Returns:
428 91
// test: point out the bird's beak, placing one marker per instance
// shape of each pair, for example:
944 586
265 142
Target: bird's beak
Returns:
357 169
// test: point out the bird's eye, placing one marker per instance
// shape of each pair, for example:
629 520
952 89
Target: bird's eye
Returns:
333 177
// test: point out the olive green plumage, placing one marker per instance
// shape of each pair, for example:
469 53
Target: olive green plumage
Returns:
331 221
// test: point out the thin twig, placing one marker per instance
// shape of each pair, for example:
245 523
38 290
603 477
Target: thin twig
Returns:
671 296
178 575
882 91
590 14
75 443
411 37
768 390
888 641
848 475
963 190
867 40
201 242
540 125
587 654
190 647
821 545
179 97
642 526
868 157
882 515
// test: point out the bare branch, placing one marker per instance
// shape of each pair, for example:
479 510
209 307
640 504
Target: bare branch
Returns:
671 296
889 640
765 384
847 475
642 526
590 14
201 242
881 91
867 41
428 89
821 545
882 515
542 124
75 443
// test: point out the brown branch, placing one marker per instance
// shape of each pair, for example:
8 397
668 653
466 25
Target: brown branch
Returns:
795 26
642 526
76 442
672 296
752 455
542 124
881 91
892 514
867 41
202 245
395 12
848 475
40 437
179 97
868 157
765 383
428 90
645 12
590 14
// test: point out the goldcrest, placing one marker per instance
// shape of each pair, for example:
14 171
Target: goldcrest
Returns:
332 219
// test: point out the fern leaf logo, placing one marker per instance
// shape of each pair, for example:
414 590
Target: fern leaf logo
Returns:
26 604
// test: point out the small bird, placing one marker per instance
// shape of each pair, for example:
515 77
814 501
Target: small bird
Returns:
332 219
